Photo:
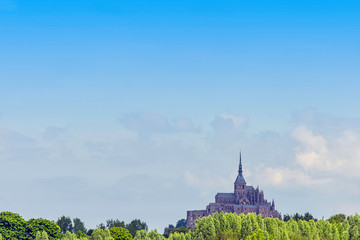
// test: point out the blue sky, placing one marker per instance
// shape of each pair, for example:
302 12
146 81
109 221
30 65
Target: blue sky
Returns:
102 96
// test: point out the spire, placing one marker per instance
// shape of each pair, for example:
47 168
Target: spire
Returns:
240 165
240 177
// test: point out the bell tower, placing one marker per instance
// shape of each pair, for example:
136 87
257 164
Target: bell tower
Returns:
240 186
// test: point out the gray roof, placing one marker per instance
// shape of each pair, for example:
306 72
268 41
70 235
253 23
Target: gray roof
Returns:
240 179
250 206
225 195
249 187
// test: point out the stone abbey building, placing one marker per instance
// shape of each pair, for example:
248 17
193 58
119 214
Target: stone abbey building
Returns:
244 199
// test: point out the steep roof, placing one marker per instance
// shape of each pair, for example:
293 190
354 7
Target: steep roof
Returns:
225 195
240 178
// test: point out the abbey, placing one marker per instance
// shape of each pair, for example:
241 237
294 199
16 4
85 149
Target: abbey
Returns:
244 199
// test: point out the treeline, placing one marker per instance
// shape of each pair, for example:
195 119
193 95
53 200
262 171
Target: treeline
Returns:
219 226
14 227
78 227
251 226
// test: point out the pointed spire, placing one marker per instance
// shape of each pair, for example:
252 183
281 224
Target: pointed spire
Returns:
240 178
240 165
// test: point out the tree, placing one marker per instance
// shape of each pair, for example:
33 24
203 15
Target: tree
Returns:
101 234
154 235
337 218
120 233
168 230
65 224
41 235
89 232
40 224
324 228
140 235
272 227
136 225
101 226
70 236
246 228
177 236
80 234
354 229
286 217
181 223
114 223
308 217
224 227
204 227
12 226
257 235
78 225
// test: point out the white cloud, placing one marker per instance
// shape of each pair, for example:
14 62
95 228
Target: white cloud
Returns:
238 121
285 177
338 153
228 125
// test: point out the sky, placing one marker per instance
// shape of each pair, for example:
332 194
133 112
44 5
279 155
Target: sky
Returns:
137 109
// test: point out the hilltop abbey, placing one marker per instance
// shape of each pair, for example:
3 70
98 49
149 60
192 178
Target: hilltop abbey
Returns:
244 199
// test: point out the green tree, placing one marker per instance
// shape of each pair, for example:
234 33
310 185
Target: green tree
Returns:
120 233
258 235
344 230
181 223
272 227
314 233
283 234
225 231
70 236
308 217
325 230
254 222
177 236
154 235
101 234
140 235
354 226
41 235
12 226
65 224
234 222
246 228
136 225
89 232
304 229
39 224
205 227
292 229
337 218
335 232
79 234
78 225
115 223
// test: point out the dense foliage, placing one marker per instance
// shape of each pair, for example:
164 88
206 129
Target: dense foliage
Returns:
219 226
38 225
12 226
120 233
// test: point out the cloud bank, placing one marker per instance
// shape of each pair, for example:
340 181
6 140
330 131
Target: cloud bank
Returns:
152 163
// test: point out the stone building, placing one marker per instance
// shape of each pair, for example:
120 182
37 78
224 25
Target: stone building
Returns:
244 199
